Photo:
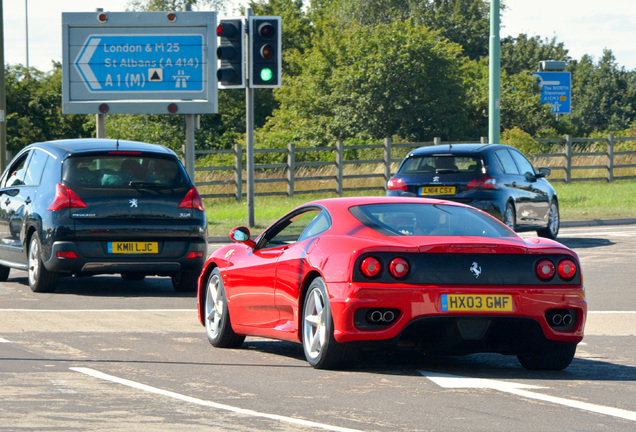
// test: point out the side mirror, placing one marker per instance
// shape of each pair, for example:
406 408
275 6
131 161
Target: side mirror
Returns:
242 235
10 192
544 172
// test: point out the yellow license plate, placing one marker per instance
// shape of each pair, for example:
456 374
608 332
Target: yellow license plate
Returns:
476 302
133 247
437 190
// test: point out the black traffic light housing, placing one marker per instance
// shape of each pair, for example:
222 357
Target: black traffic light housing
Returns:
230 53
265 51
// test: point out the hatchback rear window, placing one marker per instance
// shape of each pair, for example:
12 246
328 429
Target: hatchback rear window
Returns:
437 164
117 171
411 219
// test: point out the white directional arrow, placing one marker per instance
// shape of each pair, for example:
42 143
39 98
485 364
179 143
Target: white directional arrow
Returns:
455 381
82 63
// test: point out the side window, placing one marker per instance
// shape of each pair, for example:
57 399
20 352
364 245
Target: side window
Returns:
319 224
506 162
36 168
524 164
16 171
289 231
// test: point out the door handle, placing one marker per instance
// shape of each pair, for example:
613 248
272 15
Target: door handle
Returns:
28 200
7 201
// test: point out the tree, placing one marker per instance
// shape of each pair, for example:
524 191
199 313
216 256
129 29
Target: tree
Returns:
374 81
522 54
172 5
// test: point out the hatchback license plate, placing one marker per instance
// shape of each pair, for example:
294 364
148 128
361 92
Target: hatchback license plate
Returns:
133 247
476 302
437 190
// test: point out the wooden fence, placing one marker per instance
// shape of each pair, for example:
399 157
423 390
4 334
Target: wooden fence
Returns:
300 175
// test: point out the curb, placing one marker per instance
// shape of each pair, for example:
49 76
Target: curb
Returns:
564 224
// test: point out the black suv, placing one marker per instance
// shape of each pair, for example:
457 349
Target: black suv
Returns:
495 178
98 206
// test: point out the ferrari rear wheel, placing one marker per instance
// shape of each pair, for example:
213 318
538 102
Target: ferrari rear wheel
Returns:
556 357
321 349
217 318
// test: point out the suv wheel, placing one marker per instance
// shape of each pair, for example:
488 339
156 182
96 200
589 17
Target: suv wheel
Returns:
40 279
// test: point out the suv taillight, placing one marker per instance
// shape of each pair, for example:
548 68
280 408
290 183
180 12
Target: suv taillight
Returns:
396 184
65 198
192 200
483 183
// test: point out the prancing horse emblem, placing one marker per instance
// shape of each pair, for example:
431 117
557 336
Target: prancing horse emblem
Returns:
475 269
133 202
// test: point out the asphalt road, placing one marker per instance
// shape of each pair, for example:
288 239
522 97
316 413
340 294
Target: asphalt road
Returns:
103 354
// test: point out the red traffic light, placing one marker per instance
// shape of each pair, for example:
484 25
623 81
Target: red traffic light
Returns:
266 30
226 30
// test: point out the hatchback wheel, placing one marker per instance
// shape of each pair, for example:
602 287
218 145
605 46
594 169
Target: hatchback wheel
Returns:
217 317
40 279
552 230
321 349
4 273
185 281
510 216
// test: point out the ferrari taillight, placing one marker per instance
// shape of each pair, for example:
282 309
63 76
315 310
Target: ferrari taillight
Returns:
370 267
397 184
399 268
545 269
192 200
566 269
65 198
483 183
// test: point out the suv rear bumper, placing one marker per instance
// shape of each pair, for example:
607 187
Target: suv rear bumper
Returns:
91 259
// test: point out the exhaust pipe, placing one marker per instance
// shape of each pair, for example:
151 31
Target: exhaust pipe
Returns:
557 319
567 319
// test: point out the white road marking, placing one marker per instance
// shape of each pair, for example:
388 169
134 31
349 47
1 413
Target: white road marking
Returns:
454 381
147 388
4 341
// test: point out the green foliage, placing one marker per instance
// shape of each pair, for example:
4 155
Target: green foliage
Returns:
522 54
172 5
523 141
34 109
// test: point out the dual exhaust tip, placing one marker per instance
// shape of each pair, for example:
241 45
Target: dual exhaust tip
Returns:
562 319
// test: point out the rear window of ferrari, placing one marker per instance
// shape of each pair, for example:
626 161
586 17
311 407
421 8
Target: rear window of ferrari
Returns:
414 219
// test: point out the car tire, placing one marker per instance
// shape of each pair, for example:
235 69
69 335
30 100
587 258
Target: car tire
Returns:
40 279
218 325
185 281
133 277
4 273
510 216
556 357
552 230
322 351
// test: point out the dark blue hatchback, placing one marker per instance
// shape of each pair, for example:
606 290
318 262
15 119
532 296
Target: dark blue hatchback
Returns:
96 206
495 178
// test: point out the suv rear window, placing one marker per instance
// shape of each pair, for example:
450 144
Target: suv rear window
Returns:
441 164
411 219
117 171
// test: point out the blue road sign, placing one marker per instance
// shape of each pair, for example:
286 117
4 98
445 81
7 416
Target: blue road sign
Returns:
556 89
142 63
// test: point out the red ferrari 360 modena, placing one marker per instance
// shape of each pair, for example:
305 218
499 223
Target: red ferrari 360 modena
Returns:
343 274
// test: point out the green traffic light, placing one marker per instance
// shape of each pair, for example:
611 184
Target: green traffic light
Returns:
267 74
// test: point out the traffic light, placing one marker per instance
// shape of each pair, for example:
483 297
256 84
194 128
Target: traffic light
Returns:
230 54
264 52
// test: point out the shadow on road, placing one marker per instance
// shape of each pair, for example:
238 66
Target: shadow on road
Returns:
584 242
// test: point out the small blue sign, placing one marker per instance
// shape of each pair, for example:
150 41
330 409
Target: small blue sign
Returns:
142 63
556 89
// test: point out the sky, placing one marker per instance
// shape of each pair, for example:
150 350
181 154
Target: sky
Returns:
584 26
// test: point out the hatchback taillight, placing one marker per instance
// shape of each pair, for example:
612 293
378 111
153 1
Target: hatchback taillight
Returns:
65 198
483 183
396 184
192 200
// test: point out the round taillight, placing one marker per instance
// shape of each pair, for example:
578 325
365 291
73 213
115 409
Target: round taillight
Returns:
567 269
370 267
398 268
545 269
